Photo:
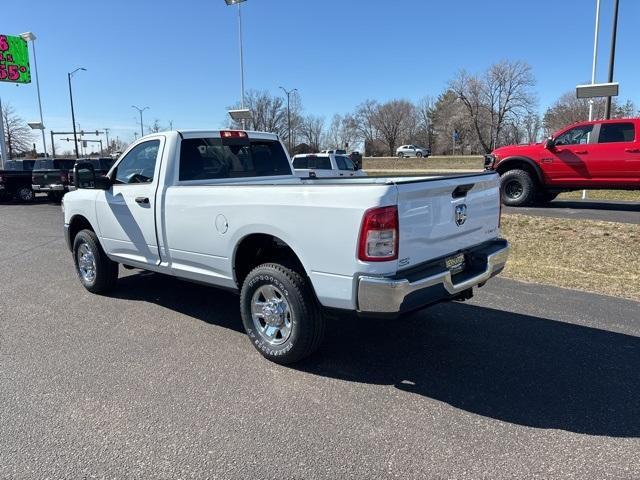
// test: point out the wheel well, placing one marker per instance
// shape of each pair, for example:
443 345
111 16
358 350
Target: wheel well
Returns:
78 223
521 164
259 248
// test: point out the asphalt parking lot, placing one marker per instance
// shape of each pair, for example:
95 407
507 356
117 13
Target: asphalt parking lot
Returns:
604 210
158 381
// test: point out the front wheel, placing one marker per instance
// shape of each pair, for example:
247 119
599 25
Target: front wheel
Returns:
25 194
517 188
96 271
281 314
419 154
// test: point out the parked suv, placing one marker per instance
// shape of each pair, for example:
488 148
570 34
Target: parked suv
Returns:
15 180
325 165
585 155
52 176
412 151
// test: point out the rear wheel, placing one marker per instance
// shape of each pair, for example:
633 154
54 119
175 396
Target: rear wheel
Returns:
517 188
96 271
25 194
546 196
400 155
281 314
55 196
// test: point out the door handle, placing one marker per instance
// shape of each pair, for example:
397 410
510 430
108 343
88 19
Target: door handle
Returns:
632 150
142 200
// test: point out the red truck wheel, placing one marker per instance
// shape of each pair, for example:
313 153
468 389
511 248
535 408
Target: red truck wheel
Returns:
517 188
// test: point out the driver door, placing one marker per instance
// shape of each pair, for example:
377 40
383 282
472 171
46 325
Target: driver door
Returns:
125 212
568 162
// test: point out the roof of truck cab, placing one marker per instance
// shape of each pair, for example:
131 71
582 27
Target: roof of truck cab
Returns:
250 133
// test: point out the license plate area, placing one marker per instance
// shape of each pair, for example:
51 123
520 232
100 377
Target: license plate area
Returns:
456 263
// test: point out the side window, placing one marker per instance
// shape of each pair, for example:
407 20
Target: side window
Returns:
323 163
616 132
350 165
342 165
301 162
139 164
575 136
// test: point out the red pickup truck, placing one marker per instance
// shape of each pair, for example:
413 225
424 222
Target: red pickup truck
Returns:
585 155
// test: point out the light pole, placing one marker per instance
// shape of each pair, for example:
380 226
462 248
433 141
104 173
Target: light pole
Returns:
140 110
106 131
595 56
73 115
289 92
612 57
29 36
238 2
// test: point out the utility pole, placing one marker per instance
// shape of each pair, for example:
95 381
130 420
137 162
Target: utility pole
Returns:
288 92
140 110
3 145
106 131
612 57
73 115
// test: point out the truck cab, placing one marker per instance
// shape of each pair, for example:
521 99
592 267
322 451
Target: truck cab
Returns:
586 155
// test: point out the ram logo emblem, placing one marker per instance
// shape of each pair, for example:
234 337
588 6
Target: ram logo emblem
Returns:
461 214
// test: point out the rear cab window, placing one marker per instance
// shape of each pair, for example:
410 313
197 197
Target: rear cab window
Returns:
220 158
617 132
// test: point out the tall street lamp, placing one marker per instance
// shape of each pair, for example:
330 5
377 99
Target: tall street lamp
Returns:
29 36
140 110
289 92
612 55
73 115
238 2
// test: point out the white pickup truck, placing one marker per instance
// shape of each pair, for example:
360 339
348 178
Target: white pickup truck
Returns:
223 208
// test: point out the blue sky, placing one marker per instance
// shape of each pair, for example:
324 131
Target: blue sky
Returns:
181 58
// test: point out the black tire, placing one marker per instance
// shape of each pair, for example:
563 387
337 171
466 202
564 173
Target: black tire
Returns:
303 312
25 194
546 196
55 196
400 155
105 270
517 188
419 154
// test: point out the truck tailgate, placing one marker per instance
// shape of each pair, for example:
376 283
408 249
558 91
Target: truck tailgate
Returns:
439 217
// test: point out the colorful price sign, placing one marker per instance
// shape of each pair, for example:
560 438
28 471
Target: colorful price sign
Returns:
14 60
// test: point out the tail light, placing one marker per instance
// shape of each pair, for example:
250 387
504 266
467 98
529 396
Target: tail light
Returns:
379 235
500 207
233 134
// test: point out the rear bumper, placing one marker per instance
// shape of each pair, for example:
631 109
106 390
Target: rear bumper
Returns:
393 295
48 188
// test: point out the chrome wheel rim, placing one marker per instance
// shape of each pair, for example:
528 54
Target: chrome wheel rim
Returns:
86 263
271 314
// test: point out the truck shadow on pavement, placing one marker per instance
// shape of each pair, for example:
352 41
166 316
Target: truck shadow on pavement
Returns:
595 205
511 367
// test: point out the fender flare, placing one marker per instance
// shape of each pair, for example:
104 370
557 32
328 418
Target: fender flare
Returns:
515 159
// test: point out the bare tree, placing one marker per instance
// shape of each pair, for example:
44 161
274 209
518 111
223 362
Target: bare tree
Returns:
17 134
363 124
155 127
568 109
312 131
394 121
268 113
495 98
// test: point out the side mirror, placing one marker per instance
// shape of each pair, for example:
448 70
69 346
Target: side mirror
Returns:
84 176
549 144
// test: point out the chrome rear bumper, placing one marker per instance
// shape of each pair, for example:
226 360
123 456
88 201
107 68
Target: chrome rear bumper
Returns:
394 295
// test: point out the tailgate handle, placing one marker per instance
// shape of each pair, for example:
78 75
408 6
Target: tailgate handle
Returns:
461 190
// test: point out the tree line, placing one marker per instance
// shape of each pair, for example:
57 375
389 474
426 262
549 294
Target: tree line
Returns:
475 113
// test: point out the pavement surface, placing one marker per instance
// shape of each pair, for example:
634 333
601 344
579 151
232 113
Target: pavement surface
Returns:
605 210
158 380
